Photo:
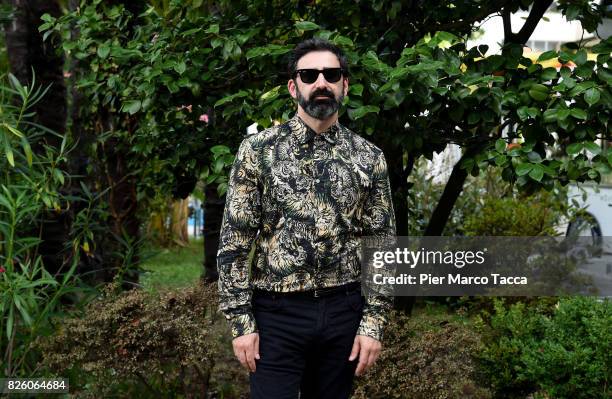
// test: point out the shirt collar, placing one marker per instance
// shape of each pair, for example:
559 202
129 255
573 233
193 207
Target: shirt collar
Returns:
304 133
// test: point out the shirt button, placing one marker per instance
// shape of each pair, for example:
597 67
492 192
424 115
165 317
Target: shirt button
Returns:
317 181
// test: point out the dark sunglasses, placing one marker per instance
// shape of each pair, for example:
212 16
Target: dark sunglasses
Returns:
332 75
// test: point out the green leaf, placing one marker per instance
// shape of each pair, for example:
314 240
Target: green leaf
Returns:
538 95
548 74
539 87
27 150
580 57
565 72
584 71
220 149
572 12
547 55
605 75
593 147
360 112
550 115
574 148
231 97
523 168
306 25
58 175
563 113
218 166
222 189
131 106
580 87
256 52
578 113
190 32
604 46
522 113
533 112
103 51
536 173
216 42
180 67
47 18
473 118
500 160
592 96
213 29
271 94
342 41
534 157
9 153
9 322
500 145
356 89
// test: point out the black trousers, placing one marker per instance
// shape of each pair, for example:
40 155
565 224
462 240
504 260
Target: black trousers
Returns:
304 345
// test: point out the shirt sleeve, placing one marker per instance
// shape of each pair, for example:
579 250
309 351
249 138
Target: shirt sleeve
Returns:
378 221
239 228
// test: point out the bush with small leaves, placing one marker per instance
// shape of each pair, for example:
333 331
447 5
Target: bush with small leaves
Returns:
138 342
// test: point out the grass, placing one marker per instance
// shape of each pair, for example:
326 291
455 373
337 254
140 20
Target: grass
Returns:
173 268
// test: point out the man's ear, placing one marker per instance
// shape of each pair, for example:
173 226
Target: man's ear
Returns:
291 88
346 86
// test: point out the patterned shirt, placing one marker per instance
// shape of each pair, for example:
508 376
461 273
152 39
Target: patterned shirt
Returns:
304 199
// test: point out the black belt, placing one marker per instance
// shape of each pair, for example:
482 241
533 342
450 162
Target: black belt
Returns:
316 293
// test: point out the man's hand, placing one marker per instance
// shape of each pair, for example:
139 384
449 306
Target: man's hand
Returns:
368 350
246 349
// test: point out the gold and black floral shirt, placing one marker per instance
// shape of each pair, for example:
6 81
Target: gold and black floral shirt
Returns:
304 199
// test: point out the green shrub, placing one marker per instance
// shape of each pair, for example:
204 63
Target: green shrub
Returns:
529 216
30 185
565 355
137 343
429 355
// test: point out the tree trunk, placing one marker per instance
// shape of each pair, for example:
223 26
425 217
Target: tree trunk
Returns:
213 216
398 177
178 224
157 230
123 205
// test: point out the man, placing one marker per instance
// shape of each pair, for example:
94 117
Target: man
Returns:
304 191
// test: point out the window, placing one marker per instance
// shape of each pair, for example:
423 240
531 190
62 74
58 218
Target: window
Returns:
543 45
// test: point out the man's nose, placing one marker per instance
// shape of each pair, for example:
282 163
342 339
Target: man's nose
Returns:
320 82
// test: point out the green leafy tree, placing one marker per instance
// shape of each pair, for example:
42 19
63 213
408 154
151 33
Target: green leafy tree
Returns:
191 75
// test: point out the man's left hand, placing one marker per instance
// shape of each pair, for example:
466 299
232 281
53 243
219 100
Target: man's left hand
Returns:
368 350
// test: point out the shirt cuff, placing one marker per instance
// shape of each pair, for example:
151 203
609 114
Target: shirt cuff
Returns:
372 327
241 323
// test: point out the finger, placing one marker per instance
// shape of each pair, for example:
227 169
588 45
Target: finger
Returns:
242 358
372 358
257 347
363 360
250 358
355 350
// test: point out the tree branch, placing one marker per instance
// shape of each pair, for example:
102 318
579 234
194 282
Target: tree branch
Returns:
537 12
457 25
507 25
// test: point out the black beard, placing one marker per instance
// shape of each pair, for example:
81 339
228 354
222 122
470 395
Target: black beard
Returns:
319 108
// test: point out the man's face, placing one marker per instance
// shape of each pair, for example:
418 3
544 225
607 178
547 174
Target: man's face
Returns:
319 99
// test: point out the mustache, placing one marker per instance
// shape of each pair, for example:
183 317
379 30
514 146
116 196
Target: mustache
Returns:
322 92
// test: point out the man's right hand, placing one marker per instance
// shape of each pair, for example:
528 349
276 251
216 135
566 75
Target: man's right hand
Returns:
246 349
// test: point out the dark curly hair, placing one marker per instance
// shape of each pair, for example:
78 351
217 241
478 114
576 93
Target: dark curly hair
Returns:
315 44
